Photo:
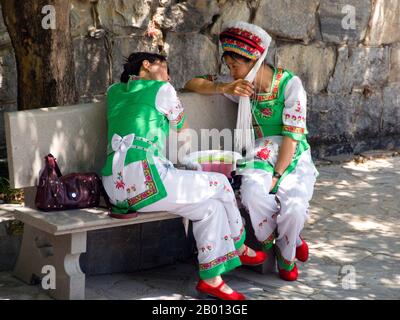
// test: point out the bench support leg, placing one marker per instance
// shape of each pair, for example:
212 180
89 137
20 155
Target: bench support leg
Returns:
39 249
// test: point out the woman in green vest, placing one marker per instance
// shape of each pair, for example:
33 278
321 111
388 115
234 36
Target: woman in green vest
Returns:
278 174
137 177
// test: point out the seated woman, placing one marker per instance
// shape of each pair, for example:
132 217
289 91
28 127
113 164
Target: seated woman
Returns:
278 174
137 177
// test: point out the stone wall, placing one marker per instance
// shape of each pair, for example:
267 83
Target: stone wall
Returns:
351 74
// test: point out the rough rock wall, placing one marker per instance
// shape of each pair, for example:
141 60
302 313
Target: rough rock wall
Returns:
347 52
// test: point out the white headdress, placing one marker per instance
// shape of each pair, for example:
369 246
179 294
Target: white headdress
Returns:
251 42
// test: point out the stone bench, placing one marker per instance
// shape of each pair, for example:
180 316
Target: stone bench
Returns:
76 136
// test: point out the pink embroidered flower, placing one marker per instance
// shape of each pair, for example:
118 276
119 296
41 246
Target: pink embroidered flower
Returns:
298 107
264 153
226 237
267 112
120 185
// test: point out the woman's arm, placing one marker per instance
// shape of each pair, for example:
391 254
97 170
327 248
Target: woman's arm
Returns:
285 156
238 87
294 124
203 86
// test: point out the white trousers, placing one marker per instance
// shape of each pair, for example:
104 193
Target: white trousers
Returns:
286 218
207 199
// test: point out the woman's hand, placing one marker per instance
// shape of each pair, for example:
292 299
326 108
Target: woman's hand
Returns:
240 87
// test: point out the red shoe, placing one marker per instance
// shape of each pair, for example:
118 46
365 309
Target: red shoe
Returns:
289 275
258 259
302 251
216 292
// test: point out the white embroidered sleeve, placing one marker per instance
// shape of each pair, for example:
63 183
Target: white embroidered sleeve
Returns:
295 110
168 103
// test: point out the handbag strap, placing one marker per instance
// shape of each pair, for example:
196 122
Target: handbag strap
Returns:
52 162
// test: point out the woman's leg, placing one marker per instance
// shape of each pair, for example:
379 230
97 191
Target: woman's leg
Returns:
294 194
204 198
261 205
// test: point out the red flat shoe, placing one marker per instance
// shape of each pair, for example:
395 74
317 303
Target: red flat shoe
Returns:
302 251
289 275
216 292
258 259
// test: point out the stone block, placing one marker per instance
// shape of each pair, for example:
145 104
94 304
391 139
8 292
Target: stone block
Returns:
384 24
4 36
125 17
190 55
359 67
92 67
344 20
314 64
8 76
394 75
331 118
81 17
230 11
391 110
186 16
295 19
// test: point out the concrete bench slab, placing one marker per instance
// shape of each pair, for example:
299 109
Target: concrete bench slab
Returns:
82 220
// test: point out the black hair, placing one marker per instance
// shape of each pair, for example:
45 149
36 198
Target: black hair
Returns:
235 56
134 63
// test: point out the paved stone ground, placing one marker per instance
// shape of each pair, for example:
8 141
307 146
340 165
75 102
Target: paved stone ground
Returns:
353 227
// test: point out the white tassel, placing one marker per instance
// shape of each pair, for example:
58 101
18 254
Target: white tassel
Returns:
244 135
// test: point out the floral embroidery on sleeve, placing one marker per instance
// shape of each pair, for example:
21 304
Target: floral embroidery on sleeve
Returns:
294 113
